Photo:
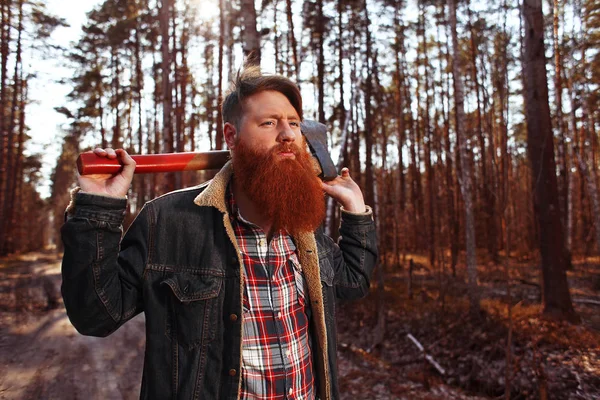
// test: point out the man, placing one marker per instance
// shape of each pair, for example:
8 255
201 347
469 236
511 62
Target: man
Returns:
237 282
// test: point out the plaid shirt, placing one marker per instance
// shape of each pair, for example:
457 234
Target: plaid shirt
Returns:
276 354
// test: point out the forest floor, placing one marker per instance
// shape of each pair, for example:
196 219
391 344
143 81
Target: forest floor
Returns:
549 359
43 357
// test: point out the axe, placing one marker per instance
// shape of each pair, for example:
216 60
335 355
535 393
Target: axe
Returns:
314 132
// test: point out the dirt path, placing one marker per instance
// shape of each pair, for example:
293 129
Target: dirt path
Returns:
43 357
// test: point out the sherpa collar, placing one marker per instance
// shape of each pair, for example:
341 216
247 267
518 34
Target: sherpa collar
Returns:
214 194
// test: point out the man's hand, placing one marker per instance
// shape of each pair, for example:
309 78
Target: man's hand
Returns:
115 185
346 192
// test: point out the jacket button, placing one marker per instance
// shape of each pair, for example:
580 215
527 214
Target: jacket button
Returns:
232 372
233 317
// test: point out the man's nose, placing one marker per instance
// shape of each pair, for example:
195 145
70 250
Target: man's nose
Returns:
286 134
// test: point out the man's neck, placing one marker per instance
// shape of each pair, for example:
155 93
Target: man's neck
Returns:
249 210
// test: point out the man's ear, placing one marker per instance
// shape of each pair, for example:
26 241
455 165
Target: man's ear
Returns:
229 132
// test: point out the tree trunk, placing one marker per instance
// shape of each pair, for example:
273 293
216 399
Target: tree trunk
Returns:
400 121
17 179
321 61
428 148
139 85
167 101
292 36
219 138
175 87
540 145
116 141
12 156
340 61
5 35
381 203
229 43
369 134
251 45
563 172
453 221
465 183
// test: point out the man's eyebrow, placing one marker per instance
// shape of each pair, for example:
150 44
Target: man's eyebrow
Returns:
279 116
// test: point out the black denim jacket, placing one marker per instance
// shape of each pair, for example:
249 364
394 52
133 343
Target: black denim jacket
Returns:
179 263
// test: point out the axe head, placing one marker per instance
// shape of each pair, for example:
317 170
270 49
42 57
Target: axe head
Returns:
315 134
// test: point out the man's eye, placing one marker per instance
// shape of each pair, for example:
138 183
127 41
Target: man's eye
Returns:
296 124
268 123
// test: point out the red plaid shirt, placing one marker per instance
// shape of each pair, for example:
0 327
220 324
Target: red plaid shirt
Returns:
276 354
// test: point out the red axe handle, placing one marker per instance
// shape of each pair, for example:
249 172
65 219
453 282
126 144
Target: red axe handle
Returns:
89 163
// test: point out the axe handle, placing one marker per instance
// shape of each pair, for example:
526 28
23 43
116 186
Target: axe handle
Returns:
89 163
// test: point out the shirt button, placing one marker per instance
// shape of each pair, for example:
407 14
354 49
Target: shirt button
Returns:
232 372
288 353
290 391
279 315
233 317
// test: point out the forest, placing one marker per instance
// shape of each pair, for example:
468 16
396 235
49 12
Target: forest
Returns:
471 126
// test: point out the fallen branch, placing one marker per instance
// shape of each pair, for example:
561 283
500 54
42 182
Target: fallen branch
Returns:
586 301
430 359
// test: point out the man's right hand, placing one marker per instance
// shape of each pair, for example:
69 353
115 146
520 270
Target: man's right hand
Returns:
115 185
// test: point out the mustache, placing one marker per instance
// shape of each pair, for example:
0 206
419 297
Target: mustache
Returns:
287 148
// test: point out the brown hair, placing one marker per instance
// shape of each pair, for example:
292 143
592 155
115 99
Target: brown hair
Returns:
250 81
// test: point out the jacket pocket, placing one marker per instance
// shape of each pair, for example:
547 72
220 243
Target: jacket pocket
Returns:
193 307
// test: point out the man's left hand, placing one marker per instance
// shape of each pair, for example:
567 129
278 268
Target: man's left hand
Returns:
346 192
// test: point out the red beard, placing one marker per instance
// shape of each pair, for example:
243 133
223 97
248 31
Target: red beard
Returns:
286 191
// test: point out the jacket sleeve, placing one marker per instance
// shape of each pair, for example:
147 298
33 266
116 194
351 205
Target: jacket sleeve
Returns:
102 275
355 255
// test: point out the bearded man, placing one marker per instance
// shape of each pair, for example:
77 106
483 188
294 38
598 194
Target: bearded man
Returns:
237 281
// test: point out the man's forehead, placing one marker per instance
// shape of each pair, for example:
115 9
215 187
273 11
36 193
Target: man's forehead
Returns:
270 104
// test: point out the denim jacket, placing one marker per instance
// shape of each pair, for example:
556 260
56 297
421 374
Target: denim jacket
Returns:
179 263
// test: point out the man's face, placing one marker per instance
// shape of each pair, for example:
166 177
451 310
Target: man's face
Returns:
273 167
268 120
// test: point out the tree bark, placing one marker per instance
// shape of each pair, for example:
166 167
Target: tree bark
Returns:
563 181
139 85
428 148
292 36
219 138
320 61
251 45
465 184
167 100
400 121
12 156
453 220
540 145
381 202
5 35
369 134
